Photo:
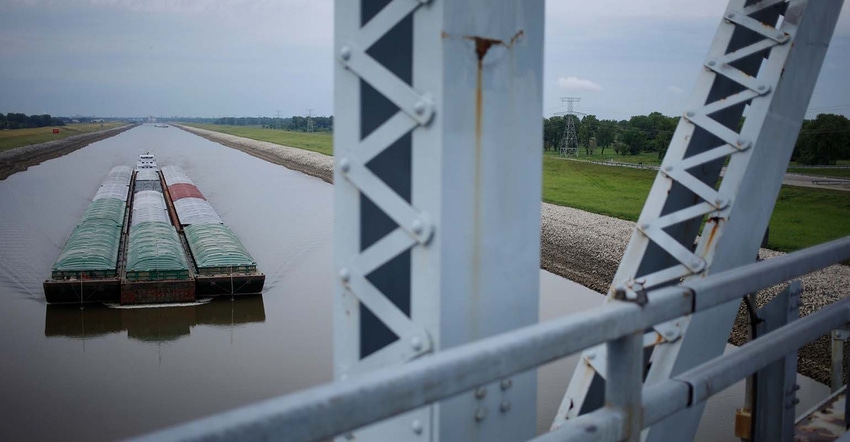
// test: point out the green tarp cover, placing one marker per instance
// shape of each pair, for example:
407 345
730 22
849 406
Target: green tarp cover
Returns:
93 245
154 246
111 209
215 245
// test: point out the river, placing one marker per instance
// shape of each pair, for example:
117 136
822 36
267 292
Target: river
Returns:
101 373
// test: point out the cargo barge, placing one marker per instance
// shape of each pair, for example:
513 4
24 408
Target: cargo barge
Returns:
150 236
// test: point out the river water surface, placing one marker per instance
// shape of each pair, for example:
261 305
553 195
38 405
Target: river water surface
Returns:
100 373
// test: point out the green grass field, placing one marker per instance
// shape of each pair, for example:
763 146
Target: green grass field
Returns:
321 142
10 139
803 217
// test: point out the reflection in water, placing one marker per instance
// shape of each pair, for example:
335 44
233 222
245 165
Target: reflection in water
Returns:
151 324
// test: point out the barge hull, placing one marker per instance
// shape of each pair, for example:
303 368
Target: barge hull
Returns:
157 292
227 285
81 291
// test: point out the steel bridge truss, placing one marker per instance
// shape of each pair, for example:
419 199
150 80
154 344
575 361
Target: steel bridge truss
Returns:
765 57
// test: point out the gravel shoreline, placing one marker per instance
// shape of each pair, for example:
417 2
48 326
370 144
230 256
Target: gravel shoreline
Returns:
20 158
586 248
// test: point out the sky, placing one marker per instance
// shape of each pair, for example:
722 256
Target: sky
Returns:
214 58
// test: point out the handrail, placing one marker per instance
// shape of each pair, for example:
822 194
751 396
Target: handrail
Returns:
335 408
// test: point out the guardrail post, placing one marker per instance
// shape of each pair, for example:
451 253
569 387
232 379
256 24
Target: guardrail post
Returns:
839 338
625 381
775 397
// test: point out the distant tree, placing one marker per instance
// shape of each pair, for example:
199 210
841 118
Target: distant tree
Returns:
823 141
589 127
606 134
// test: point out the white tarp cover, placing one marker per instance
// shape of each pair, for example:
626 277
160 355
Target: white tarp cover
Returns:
195 211
174 175
118 191
148 206
147 175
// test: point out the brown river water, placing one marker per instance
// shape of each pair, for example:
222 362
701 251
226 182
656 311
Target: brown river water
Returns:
102 373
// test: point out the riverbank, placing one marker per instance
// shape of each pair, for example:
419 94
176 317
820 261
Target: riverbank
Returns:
20 158
585 247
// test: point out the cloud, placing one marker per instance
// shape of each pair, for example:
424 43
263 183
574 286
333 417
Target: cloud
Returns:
675 90
577 84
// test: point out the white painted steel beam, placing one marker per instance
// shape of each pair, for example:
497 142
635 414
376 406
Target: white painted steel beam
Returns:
766 55
437 197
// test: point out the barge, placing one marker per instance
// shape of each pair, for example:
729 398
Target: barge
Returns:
150 236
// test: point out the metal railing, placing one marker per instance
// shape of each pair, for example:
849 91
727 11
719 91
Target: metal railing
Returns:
336 408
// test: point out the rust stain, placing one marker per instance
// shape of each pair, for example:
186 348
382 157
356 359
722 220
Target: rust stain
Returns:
714 228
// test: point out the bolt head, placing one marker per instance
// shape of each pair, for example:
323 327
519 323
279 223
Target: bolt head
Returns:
417 226
345 53
712 63
480 414
781 35
419 107
591 356
480 393
344 274
344 165
505 406
690 114
506 384
730 15
416 426
416 343
668 168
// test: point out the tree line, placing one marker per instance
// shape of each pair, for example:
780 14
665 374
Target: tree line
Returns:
822 141
295 123
22 121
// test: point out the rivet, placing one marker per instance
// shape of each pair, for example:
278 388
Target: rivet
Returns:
506 384
344 164
762 87
505 406
480 393
644 226
730 15
416 226
416 426
712 63
480 414
419 107
349 436
690 114
668 168
591 356
696 263
344 274
345 53
669 334
416 343
781 35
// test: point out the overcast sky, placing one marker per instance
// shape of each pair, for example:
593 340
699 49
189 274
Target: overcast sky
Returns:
214 58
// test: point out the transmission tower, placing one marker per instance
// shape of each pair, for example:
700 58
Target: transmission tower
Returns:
569 140
309 120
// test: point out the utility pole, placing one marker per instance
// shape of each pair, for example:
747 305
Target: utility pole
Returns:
569 140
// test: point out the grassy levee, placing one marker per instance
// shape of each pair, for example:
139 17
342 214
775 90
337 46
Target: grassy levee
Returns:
803 217
321 142
10 139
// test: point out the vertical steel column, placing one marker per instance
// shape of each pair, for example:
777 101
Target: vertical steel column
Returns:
437 196
766 56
